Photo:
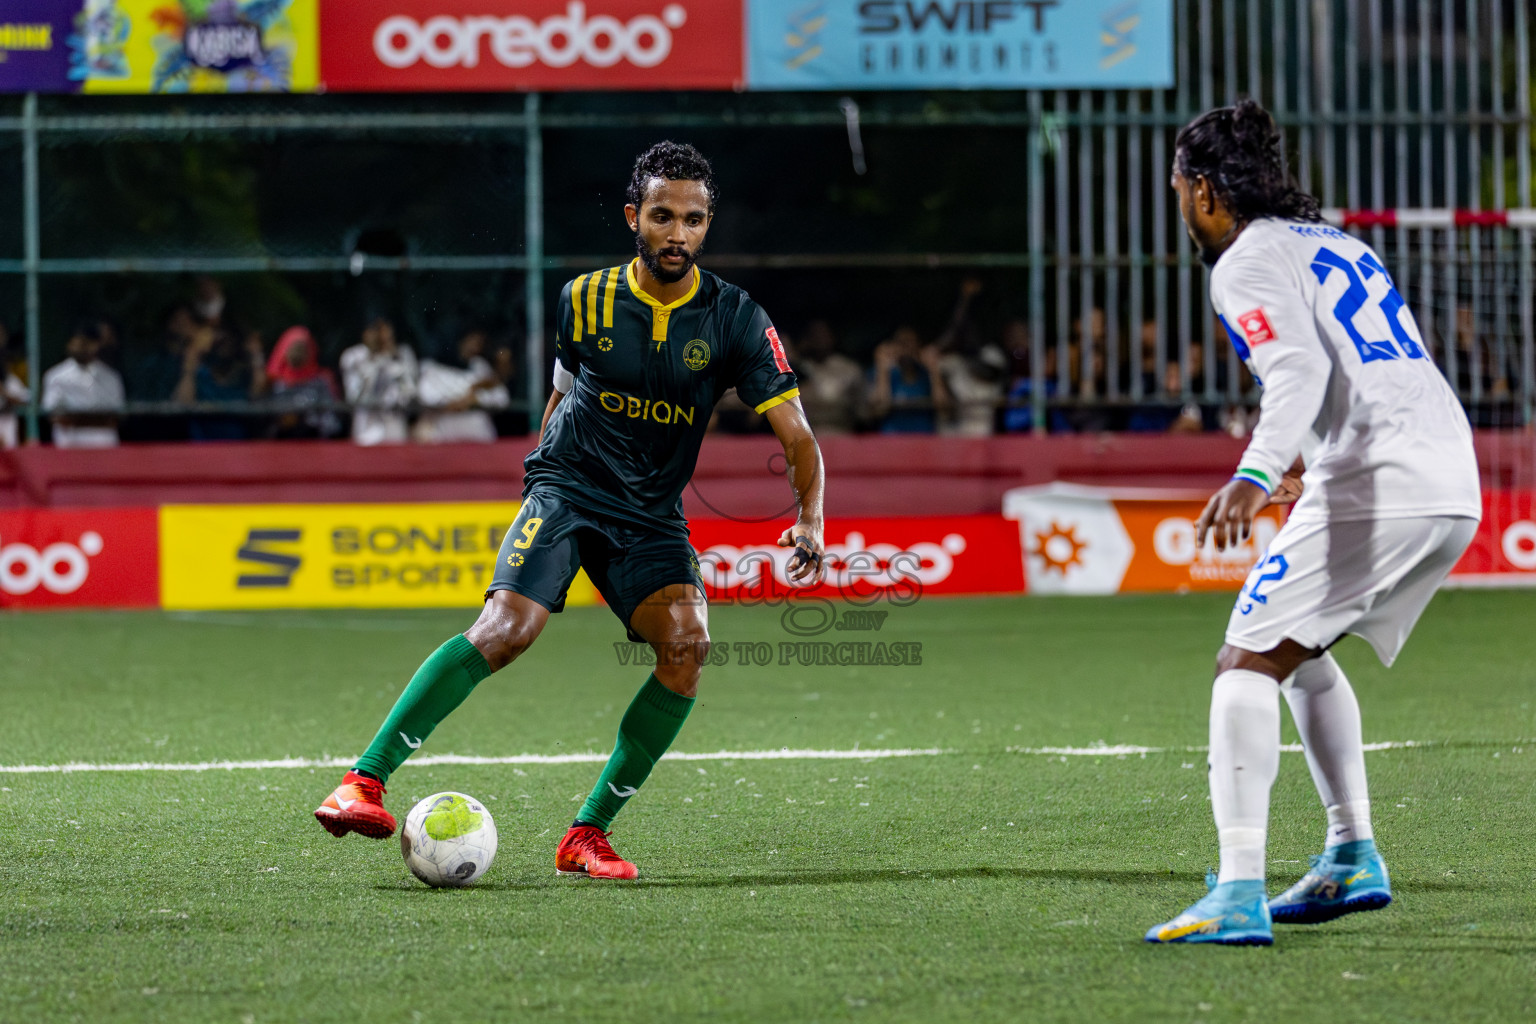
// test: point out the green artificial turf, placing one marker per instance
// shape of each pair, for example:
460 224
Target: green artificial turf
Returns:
986 883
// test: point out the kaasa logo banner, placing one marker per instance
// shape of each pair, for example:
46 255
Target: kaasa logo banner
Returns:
178 46
334 556
959 44
464 45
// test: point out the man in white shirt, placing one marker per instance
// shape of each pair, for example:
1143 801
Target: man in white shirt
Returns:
1388 503
82 394
456 389
379 378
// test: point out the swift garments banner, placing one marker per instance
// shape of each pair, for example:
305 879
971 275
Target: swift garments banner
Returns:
496 45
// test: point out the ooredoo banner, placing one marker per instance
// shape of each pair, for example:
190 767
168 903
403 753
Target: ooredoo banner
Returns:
91 558
485 45
1503 553
899 558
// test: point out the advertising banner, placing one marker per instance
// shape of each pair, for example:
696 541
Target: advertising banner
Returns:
34 45
1089 540
899 558
160 46
504 45
959 44
1503 554
334 556
79 558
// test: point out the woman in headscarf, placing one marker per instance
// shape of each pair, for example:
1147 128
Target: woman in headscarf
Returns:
298 380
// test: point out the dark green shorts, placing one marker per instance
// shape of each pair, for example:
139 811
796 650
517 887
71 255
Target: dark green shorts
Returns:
551 540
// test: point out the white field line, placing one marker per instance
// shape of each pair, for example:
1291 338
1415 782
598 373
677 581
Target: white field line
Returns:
783 754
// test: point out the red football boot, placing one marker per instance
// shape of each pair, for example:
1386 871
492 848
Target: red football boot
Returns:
357 805
585 851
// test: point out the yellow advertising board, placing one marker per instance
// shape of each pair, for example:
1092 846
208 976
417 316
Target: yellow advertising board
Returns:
173 46
335 556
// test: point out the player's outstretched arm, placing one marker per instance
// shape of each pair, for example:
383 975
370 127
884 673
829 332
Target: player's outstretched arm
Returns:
807 478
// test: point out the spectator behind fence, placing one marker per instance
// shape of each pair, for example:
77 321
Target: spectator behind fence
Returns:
299 382
1154 417
13 392
1019 417
379 375
907 393
153 377
830 382
82 394
218 368
974 373
455 390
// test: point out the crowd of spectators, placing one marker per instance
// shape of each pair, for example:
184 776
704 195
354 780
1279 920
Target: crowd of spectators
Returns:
207 379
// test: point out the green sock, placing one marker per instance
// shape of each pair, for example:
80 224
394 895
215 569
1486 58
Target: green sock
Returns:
645 732
442 683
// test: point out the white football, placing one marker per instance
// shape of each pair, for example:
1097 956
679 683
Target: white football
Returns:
448 839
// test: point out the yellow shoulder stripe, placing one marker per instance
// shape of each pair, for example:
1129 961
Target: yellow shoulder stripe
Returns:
576 305
778 400
613 288
592 289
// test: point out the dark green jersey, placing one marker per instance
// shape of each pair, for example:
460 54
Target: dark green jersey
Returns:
641 380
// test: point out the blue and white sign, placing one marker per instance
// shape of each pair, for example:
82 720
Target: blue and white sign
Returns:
959 44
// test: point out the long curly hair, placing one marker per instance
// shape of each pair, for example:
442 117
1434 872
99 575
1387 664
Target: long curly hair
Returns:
1238 150
675 161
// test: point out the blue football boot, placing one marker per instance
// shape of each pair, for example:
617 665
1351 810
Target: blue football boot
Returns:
1231 914
1342 880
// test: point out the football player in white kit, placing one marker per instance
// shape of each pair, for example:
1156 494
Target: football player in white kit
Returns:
1357 421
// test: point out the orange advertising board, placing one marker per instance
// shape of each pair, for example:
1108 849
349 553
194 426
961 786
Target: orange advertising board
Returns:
1091 540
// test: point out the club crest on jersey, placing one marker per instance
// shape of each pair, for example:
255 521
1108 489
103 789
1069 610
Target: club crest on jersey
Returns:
1255 326
696 354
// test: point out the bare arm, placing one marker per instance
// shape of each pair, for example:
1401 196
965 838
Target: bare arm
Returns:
808 479
549 410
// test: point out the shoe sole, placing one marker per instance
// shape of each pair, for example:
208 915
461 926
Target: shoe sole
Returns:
1312 913
1235 940
338 826
583 873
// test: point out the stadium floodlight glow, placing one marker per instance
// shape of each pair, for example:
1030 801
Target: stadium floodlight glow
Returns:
517 41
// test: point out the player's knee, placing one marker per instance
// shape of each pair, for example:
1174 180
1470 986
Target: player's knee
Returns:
502 640
1230 658
683 648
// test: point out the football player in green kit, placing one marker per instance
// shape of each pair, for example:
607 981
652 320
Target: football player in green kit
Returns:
643 353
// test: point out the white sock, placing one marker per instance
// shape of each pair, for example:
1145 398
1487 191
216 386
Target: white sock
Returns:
1328 718
1244 760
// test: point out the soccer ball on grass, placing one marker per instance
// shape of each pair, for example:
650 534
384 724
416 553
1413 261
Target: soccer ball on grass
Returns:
448 840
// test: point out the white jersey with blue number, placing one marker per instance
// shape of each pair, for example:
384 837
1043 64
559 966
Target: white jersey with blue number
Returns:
1349 383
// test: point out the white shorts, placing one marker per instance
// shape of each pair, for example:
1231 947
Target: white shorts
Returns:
1373 578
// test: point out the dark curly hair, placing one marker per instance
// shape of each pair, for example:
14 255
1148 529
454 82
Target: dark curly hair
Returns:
1238 150
675 161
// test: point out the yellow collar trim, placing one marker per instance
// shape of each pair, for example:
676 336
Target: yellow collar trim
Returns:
651 300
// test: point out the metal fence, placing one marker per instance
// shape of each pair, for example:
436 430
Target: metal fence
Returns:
1384 103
